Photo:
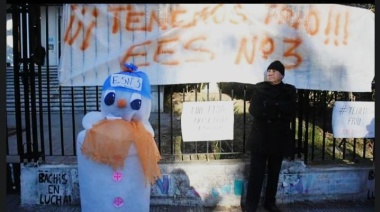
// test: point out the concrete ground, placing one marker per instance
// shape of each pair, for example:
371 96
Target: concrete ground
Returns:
13 205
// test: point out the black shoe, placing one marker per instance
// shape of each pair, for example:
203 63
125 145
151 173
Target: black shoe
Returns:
272 207
249 208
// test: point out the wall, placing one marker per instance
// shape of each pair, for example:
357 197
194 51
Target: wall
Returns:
210 183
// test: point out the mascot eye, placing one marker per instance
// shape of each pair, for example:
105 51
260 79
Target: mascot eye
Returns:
136 101
109 98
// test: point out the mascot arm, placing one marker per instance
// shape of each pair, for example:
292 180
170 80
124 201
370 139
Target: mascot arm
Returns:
148 127
91 118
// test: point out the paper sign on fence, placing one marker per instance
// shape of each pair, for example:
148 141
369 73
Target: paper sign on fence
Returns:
353 119
207 121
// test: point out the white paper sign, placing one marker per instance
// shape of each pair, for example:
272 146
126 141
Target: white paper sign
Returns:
353 119
122 80
207 121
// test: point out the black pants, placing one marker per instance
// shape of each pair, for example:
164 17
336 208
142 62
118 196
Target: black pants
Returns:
256 178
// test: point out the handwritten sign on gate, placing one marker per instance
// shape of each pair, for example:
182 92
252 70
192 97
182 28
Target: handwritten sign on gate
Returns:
353 119
207 121
323 46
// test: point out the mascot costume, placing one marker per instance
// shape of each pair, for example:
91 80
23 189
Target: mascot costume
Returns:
117 154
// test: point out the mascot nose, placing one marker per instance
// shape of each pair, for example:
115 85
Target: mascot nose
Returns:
121 103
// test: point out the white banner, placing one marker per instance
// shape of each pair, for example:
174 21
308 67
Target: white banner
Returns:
353 119
323 46
207 121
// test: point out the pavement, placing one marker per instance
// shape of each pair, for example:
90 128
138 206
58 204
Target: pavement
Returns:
13 205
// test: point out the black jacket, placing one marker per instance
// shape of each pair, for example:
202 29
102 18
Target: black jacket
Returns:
273 108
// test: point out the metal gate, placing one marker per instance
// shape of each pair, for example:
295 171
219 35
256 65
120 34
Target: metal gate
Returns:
28 56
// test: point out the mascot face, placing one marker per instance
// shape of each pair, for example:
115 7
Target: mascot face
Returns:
126 95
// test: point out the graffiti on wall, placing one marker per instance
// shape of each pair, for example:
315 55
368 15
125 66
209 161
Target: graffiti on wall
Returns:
177 184
371 185
163 186
56 187
324 183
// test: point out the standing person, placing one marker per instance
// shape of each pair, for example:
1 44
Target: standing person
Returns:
272 106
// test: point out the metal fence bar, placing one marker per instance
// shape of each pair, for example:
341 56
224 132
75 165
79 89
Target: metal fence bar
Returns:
61 119
159 117
84 100
73 119
324 104
171 121
35 54
306 101
244 117
334 139
354 150
313 123
300 147
7 146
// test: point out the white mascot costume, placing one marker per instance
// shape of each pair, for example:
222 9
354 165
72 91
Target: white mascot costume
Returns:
117 154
